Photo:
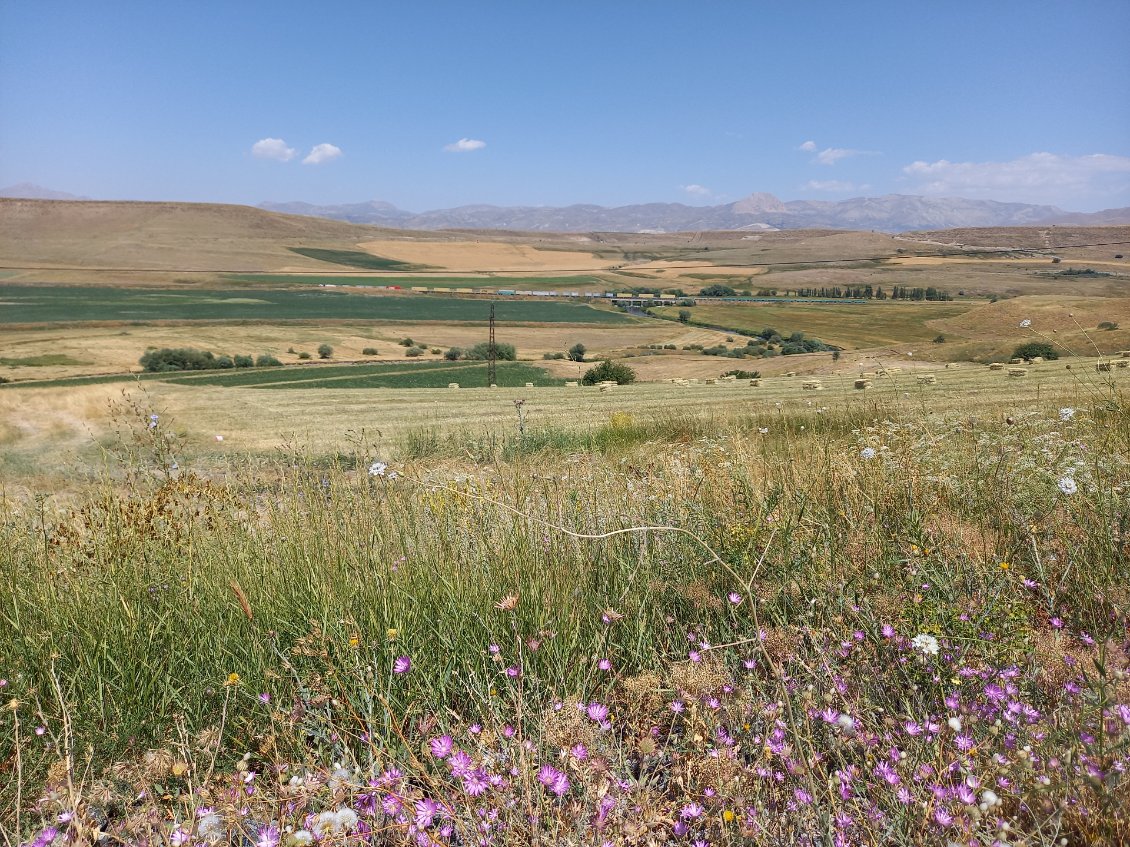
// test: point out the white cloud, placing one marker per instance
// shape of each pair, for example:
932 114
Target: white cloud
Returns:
830 185
1035 178
322 153
273 148
465 145
808 146
831 155
697 190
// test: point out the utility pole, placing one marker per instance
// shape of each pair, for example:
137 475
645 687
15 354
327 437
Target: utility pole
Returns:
492 354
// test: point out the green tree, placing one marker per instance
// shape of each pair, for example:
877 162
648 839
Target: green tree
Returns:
325 351
684 316
609 371
576 352
1035 348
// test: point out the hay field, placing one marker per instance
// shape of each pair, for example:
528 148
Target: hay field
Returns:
48 432
478 256
107 349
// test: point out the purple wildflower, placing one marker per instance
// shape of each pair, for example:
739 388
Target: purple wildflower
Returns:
441 747
402 664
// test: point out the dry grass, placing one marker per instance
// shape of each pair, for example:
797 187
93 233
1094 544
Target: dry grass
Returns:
470 256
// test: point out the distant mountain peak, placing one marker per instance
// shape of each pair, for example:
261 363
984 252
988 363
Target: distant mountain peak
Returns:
758 203
31 191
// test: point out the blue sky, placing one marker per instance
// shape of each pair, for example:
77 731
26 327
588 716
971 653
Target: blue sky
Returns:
438 104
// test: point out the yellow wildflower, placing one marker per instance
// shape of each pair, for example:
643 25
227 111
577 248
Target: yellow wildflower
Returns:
1005 566
728 816
392 634
233 679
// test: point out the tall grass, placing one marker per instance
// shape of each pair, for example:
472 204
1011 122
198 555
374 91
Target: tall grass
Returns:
162 608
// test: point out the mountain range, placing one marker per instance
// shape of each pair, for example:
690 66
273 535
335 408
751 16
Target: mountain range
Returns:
757 212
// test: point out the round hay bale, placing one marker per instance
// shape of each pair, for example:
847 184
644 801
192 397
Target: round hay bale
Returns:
453 385
1017 372
862 384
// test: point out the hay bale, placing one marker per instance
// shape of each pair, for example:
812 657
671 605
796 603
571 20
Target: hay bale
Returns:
492 385
1102 366
1125 354
727 378
1016 361
1037 359
572 385
926 379
604 388
1122 363
712 382
755 383
867 375
529 385
862 384
812 385
1017 372
790 373
996 366
453 385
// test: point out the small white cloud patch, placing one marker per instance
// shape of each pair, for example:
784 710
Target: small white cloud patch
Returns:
273 148
465 145
808 147
697 190
322 153
1037 177
828 185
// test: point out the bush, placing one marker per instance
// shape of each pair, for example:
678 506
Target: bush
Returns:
266 361
435 351
369 351
718 290
304 355
225 362
325 351
743 374
503 352
1035 348
1108 325
406 342
169 359
453 354
577 352
608 371
243 361
413 352
684 316
941 339
553 356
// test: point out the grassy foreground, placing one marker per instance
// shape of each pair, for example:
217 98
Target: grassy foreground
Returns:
860 626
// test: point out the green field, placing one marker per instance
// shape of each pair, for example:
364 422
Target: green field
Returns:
851 326
355 259
519 283
50 304
391 375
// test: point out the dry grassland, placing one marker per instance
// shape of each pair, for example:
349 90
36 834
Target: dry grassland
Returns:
472 256
116 349
45 431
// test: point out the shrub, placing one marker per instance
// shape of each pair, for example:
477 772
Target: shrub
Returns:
180 359
609 371
453 354
267 361
243 361
1108 325
325 351
304 355
1035 348
684 315
290 350
503 352
406 342
941 339
224 362
369 351
577 352
718 290
670 347
739 374
553 356
413 352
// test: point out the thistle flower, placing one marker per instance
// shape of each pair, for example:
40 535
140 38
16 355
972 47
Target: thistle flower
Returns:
441 747
597 712
402 664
